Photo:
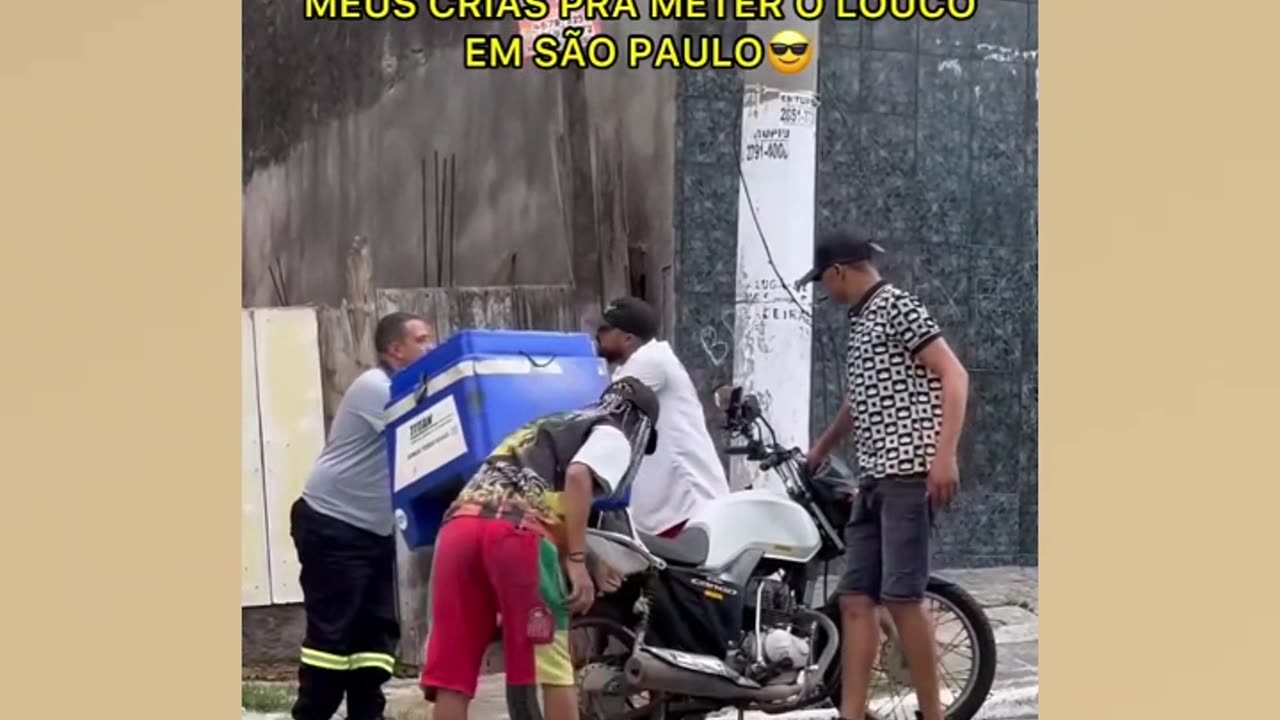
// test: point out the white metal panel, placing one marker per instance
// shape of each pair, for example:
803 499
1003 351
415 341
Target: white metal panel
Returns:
255 568
292 415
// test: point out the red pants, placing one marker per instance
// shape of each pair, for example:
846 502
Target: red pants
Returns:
483 567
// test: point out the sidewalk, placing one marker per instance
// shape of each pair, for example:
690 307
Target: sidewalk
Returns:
1009 596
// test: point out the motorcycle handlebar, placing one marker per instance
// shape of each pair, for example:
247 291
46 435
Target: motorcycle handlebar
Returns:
770 456
778 457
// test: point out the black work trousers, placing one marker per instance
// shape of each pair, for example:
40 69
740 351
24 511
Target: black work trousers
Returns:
348 592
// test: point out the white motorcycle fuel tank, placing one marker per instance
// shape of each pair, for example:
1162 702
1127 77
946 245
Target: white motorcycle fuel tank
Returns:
756 519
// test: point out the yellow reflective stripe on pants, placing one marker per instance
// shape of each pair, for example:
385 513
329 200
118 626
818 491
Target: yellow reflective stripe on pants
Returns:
324 660
373 660
329 661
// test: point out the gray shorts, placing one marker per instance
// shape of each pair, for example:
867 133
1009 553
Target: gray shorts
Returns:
887 541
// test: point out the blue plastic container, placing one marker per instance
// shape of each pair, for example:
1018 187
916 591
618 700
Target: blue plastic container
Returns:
450 409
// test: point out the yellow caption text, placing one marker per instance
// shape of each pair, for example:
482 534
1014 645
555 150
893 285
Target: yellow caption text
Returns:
534 10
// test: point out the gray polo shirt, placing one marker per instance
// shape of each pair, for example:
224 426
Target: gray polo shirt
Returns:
350 480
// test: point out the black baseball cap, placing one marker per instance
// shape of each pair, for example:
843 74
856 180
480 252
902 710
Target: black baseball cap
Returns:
836 249
644 399
631 315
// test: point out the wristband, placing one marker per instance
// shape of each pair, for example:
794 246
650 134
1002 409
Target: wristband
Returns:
577 557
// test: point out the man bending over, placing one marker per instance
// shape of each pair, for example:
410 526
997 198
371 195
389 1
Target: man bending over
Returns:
517 528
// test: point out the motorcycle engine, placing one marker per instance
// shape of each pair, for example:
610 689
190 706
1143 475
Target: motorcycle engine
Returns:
779 649
773 654
773 599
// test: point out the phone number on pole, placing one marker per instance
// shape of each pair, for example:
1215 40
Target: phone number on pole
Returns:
767 145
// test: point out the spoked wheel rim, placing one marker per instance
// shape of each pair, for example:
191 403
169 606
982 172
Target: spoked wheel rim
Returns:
892 695
599 649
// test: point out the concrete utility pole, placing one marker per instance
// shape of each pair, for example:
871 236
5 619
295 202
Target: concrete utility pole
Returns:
771 325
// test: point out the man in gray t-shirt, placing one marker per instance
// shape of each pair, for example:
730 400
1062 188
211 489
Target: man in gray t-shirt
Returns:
350 479
342 529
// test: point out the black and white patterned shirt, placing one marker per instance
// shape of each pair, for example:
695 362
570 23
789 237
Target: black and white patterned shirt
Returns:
896 402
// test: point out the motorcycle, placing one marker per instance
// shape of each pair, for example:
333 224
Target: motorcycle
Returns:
724 614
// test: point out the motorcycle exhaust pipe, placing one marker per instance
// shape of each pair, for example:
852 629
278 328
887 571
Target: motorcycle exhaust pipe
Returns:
645 671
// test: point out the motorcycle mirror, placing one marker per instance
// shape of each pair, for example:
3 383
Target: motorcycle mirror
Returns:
723 396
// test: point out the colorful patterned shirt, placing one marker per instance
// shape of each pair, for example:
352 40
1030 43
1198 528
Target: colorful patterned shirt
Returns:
507 489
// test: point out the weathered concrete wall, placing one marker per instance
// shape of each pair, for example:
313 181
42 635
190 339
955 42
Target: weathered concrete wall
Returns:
342 121
927 140
271 635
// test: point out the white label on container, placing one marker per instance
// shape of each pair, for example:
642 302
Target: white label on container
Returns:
428 441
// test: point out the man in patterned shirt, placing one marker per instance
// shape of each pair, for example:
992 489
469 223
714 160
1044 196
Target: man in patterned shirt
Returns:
503 540
905 408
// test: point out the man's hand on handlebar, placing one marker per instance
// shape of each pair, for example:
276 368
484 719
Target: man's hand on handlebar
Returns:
833 436
815 457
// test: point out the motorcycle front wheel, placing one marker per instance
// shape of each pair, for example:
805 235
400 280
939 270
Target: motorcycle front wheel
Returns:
966 658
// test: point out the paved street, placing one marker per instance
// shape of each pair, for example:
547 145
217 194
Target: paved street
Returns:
1009 596
1011 600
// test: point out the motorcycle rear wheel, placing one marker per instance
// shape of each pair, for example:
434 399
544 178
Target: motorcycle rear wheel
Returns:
595 706
977 628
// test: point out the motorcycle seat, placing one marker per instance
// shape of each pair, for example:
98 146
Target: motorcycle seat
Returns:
690 547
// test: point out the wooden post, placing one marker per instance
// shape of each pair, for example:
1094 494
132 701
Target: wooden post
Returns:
346 332
360 303
610 217
575 148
